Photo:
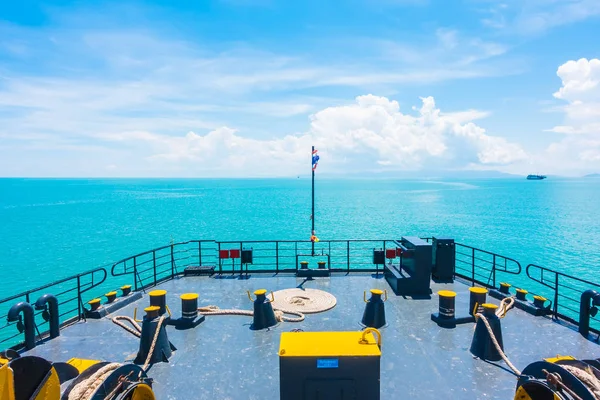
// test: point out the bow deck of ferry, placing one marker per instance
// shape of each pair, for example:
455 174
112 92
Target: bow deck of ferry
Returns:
223 358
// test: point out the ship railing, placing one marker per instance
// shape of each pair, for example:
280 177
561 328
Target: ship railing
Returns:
565 291
69 292
483 267
149 268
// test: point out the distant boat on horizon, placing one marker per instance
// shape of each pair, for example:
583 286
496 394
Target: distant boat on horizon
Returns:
536 177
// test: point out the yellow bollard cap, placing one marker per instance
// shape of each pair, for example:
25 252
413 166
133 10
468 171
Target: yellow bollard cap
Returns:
126 287
505 284
489 306
94 301
540 298
151 308
260 292
111 294
446 293
189 296
377 291
159 292
522 291
479 290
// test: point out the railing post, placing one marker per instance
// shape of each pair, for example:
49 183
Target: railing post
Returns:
79 297
494 272
472 266
555 295
154 265
172 262
277 256
348 255
219 257
199 253
135 275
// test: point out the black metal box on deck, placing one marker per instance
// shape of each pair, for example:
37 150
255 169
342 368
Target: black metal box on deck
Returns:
329 366
378 257
444 258
246 256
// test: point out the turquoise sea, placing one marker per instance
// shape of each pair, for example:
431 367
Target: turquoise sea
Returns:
53 228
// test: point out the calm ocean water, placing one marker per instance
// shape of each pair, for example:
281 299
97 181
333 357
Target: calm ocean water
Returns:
55 228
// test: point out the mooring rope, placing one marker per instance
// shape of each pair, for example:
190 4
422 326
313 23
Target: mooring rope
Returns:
497 345
86 388
279 314
587 377
137 331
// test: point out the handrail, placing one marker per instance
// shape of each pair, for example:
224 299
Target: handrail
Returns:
557 281
472 263
68 291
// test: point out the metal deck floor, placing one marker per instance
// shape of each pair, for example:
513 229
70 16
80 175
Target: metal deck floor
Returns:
223 359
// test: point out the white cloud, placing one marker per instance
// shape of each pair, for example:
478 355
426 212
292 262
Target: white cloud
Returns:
579 151
369 134
529 17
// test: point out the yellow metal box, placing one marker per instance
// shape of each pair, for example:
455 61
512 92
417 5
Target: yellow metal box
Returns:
329 365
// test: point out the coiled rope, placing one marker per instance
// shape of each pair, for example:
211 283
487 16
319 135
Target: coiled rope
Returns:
85 389
279 314
587 377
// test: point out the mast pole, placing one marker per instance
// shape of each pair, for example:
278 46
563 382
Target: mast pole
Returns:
313 201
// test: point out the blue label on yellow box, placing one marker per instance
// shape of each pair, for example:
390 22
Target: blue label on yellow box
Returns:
327 362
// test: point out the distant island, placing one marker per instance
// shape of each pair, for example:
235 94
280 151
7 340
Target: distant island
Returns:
592 176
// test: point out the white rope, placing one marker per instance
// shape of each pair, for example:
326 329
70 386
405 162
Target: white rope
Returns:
497 345
587 377
156 333
279 314
306 301
505 305
86 388
136 332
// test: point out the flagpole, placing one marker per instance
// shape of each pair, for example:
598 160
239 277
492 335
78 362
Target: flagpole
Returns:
313 201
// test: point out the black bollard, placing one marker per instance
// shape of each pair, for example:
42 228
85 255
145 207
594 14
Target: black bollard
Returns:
163 349
374 314
264 316
482 345
159 298
477 298
504 287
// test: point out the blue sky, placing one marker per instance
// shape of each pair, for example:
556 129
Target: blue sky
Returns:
244 87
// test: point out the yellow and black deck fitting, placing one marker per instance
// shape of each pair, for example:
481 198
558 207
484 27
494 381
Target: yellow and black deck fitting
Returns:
189 312
322 264
535 308
446 317
303 264
374 314
522 294
264 316
477 297
95 304
505 287
126 289
110 297
159 298
313 363
29 377
539 301
163 348
482 345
